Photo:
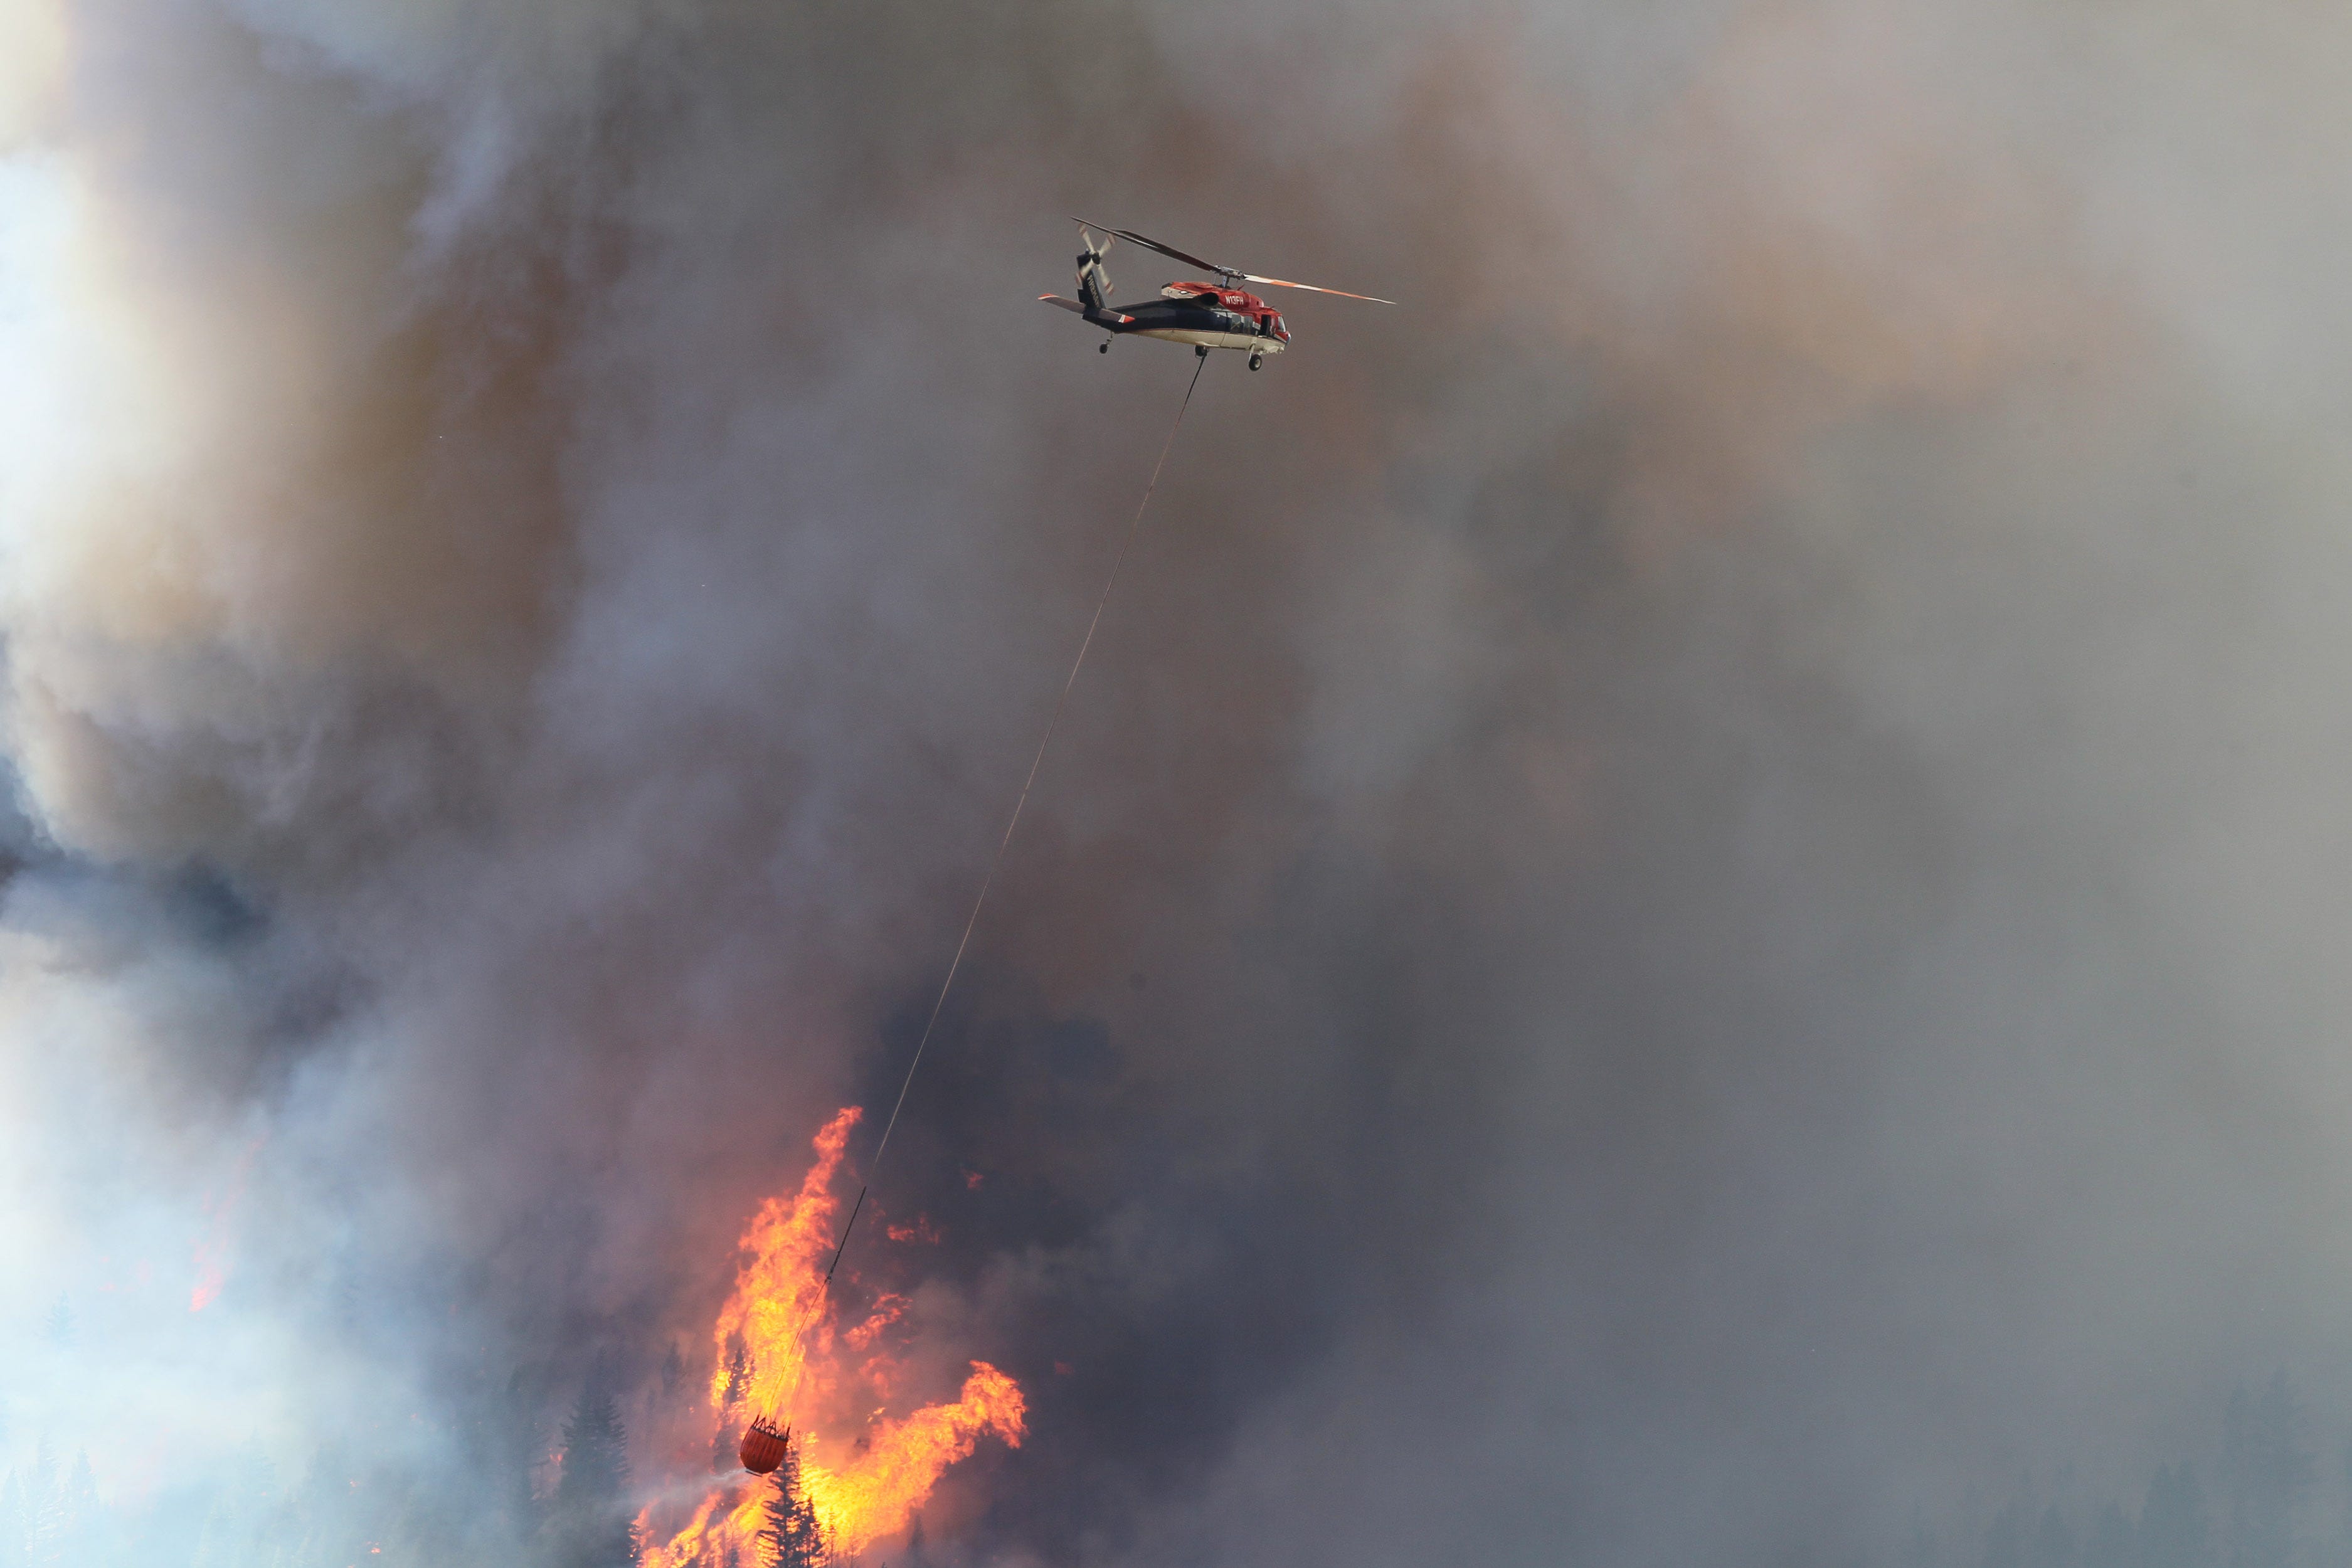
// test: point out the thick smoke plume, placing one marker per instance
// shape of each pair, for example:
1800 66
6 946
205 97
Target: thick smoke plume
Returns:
1696 898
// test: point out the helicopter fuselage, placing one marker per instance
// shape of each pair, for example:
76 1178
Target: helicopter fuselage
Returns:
1205 315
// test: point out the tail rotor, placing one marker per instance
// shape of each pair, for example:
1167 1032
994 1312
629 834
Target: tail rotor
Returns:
1094 283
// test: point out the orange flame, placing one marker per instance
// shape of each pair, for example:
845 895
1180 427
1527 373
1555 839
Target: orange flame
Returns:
778 1353
779 1299
876 1493
887 1309
212 1251
712 1536
922 1230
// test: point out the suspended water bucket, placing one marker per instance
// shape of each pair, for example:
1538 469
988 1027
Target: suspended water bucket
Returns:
764 1444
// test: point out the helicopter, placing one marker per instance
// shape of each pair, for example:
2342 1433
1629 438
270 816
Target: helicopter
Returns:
1219 315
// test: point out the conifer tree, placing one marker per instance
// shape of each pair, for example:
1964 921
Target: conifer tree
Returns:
78 1518
513 1443
2005 1541
45 1542
1918 1547
795 1538
2174 1530
735 1373
2111 1545
2270 1470
588 1516
332 1518
16 1522
2342 1556
240 1528
2054 1541
739 1371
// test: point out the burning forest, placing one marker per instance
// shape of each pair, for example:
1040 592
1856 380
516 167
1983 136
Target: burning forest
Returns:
784 1351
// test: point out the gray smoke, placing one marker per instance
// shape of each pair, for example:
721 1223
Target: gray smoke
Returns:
1696 892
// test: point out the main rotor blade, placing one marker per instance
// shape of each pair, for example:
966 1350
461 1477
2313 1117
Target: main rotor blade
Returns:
1314 289
1170 250
1167 250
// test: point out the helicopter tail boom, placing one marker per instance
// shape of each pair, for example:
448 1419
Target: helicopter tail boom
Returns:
1102 318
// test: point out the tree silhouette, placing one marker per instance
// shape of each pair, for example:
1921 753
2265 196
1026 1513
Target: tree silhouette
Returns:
735 1373
510 1443
239 1529
589 1518
2054 1541
2112 1545
739 1372
325 1525
2270 1469
2005 1541
793 1538
45 1537
2174 1530
16 1522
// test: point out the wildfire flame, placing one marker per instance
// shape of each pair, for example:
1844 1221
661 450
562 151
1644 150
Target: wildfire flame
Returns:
212 1251
779 1302
777 1353
877 1494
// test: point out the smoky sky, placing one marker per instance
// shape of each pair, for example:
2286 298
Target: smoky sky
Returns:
1697 887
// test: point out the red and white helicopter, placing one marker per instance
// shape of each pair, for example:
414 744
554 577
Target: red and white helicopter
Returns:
1217 315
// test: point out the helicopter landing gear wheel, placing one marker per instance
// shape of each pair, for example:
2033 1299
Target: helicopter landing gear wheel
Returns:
1256 360
1103 347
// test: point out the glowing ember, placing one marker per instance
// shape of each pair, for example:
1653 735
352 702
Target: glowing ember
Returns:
778 1354
921 1230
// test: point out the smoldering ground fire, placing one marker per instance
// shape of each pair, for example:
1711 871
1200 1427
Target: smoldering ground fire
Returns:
1694 899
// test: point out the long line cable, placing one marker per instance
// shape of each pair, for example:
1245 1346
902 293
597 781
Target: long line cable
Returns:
1134 527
